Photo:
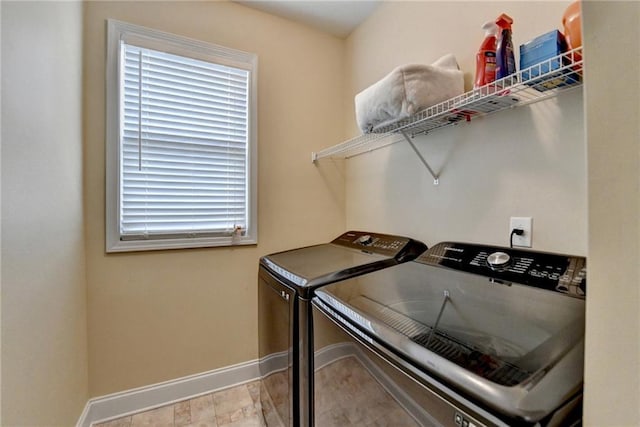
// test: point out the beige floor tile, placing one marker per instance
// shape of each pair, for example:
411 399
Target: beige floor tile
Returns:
210 423
277 386
182 413
269 412
347 394
368 412
248 414
332 418
250 411
231 399
202 408
229 417
244 422
120 422
160 417
254 391
396 418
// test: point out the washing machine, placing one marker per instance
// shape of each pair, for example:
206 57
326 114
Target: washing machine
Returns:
466 335
287 281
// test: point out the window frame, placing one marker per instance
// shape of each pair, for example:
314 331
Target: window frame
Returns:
119 32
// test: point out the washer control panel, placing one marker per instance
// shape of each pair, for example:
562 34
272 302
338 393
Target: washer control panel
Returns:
561 273
382 244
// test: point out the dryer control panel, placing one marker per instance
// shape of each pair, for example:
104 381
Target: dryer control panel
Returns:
562 273
383 244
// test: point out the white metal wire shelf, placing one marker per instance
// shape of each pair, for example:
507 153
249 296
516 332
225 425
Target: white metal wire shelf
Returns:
541 81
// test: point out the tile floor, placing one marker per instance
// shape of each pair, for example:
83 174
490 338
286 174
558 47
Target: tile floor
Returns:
238 406
347 395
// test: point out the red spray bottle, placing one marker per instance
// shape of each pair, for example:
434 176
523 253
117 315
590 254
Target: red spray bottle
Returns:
486 56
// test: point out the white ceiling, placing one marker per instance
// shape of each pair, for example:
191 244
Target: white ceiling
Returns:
337 17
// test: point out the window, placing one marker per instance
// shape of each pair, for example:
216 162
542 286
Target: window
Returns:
181 142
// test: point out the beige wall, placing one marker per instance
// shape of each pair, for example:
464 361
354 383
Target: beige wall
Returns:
612 108
161 315
529 161
44 329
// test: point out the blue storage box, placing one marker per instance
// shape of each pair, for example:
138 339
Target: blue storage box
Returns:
541 49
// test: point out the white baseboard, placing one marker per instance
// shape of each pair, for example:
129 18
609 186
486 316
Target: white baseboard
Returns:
143 398
275 362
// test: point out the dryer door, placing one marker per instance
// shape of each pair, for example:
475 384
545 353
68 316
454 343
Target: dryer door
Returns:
276 323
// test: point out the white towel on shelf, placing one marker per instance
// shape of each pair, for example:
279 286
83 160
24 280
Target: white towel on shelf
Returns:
407 90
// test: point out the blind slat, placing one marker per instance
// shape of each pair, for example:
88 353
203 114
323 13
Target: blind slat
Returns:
222 121
179 62
181 100
190 83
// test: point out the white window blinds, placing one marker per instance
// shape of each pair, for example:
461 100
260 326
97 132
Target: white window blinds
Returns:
181 142
184 146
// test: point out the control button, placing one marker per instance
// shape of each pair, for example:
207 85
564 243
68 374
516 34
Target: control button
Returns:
480 259
524 261
458 419
365 240
498 260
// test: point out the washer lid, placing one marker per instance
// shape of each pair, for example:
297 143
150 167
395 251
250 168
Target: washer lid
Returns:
350 254
320 264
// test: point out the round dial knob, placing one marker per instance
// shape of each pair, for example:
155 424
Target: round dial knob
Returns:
498 260
365 240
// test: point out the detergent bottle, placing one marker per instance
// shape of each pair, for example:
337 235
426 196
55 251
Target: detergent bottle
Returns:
572 32
571 23
486 56
505 60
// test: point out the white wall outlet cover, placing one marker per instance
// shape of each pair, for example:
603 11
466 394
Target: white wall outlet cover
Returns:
522 223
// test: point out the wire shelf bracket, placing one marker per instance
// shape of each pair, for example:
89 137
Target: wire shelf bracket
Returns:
436 179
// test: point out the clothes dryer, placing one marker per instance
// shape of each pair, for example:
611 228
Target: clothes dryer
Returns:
287 281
